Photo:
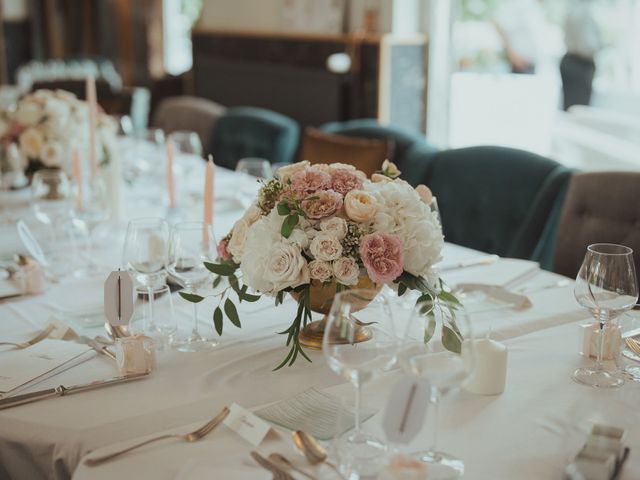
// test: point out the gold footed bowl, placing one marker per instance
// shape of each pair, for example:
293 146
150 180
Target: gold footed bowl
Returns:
322 296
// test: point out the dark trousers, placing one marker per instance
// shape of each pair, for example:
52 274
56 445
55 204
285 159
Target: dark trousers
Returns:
577 77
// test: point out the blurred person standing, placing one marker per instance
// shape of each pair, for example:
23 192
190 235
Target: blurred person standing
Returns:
520 24
577 67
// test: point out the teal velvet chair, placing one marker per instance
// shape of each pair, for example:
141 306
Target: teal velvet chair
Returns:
409 148
495 199
253 132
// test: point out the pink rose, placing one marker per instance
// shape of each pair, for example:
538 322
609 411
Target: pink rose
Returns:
343 180
323 204
223 253
382 256
309 181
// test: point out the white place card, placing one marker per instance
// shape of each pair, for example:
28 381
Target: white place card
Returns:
246 424
406 409
317 413
21 367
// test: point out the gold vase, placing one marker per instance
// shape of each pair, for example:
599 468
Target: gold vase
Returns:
321 299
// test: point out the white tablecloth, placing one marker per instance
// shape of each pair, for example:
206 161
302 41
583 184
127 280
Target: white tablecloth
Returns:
497 435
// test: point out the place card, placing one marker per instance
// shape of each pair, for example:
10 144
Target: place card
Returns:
318 413
246 424
118 298
406 409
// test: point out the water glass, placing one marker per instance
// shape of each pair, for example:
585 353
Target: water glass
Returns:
253 169
187 142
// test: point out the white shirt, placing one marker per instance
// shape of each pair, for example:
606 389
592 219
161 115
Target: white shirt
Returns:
581 33
523 24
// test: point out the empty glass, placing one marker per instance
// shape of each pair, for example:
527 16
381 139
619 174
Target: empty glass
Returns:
432 349
360 340
92 211
253 169
187 142
51 194
192 244
145 257
607 286
164 315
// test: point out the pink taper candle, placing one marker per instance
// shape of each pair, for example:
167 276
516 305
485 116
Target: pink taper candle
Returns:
92 100
171 182
76 168
209 179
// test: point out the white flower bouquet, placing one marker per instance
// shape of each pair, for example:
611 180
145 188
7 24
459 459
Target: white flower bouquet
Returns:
46 124
329 226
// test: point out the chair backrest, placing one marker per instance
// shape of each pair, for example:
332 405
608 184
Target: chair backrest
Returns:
188 113
600 207
405 142
495 199
253 132
365 154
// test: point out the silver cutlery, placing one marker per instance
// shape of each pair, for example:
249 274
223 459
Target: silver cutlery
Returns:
190 437
38 338
285 463
312 450
97 346
277 472
559 284
61 391
472 262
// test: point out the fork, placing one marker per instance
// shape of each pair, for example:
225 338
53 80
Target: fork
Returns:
38 338
277 472
194 436
633 345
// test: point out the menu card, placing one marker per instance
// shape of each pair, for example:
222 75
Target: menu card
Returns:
20 369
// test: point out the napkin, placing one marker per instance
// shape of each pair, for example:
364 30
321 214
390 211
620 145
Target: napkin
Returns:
318 413
21 369
494 294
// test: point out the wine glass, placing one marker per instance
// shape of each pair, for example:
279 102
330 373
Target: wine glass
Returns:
192 244
433 349
187 142
51 196
92 210
252 170
145 257
360 340
607 286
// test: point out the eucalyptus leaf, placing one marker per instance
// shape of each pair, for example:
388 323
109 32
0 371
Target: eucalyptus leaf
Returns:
247 297
448 297
191 297
289 224
283 208
402 288
450 340
232 312
217 320
216 281
430 330
224 269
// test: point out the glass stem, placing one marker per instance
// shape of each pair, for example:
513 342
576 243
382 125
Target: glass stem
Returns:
600 352
435 402
195 319
152 323
358 386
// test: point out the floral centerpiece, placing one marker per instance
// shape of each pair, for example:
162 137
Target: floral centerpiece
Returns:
315 230
46 124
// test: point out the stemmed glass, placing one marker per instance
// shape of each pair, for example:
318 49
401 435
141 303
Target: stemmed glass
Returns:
607 286
145 257
187 142
192 243
253 169
93 212
433 349
360 340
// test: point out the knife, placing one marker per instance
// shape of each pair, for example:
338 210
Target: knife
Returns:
97 346
484 260
61 390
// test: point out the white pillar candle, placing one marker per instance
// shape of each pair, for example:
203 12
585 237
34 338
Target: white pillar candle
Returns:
486 359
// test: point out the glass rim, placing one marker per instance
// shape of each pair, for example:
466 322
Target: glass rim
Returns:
624 249
352 291
191 225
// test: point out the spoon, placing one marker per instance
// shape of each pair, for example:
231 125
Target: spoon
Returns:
284 462
312 450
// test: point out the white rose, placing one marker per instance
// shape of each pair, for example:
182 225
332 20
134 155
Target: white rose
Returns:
238 239
346 271
286 267
344 166
28 113
31 141
390 169
378 178
425 193
286 172
252 214
55 108
336 226
360 206
320 270
66 96
325 247
298 237
51 154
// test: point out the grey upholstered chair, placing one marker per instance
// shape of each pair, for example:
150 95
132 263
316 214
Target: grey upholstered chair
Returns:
599 207
188 113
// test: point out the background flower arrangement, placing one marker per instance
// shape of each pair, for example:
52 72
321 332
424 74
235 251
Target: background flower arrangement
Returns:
45 126
329 225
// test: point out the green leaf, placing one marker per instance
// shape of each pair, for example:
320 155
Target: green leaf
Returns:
402 288
289 224
448 297
191 297
430 330
283 208
232 313
216 281
247 297
450 340
217 320
224 269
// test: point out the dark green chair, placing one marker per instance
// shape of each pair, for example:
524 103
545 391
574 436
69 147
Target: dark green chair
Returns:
495 199
253 132
408 150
